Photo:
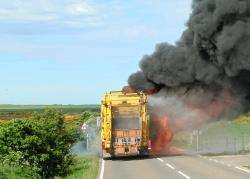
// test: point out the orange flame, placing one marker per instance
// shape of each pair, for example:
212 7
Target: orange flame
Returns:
164 128
163 136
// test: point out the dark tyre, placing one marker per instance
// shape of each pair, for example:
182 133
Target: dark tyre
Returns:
144 153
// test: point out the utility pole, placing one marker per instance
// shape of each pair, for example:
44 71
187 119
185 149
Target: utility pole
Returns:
197 140
243 142
235 145
197 132
87 142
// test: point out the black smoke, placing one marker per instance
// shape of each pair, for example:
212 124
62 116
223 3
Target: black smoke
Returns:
212 54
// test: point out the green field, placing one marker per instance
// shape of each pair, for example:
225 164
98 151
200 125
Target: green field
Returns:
8 111
32 108
11 106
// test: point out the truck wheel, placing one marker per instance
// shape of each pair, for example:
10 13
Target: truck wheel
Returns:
104 155
144 153
107 156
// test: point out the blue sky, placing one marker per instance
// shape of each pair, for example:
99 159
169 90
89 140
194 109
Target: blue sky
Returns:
73 51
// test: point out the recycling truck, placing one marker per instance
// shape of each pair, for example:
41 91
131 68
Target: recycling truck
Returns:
125 124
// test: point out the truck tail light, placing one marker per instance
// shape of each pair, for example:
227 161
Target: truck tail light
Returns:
149 145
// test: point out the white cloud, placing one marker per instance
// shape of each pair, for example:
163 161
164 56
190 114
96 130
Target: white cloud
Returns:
81 8
57 11
22 15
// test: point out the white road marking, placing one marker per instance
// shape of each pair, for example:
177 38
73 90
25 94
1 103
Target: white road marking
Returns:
160 159
102 170
221 162
183 174
170 166
243 169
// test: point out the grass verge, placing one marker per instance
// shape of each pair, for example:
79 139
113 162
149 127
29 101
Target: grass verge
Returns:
16 172
86 168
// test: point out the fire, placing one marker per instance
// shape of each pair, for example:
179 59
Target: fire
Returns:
161 142
208 112
163 127
128 89
164 135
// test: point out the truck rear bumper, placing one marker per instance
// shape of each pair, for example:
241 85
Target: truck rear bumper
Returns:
106 154
126 151
125 154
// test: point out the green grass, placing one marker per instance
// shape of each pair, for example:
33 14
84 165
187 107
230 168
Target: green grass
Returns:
86 168
9 172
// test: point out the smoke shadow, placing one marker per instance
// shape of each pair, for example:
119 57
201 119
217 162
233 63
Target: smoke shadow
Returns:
169 155
152 156
130 158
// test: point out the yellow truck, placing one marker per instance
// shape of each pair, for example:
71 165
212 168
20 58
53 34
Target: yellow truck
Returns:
125 124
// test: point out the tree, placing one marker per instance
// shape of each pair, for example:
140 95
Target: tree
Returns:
42 144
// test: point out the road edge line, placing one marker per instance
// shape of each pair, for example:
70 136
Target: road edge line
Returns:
160 159
102 170
183 174
170 166
243 169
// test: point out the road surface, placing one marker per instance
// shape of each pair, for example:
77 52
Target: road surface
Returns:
177 167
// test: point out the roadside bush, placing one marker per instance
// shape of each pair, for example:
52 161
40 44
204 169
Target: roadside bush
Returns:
245 118
42 144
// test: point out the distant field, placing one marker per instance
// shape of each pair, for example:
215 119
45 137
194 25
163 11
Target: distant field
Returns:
8 111
15 107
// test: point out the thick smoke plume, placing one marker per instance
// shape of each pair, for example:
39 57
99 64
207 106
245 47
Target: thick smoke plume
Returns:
206 74
213 54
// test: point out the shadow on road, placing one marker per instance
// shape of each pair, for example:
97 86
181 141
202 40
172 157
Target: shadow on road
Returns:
151 156
128 158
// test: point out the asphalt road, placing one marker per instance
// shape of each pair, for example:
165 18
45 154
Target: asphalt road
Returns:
177 167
